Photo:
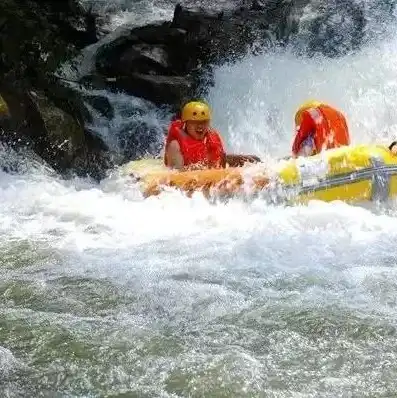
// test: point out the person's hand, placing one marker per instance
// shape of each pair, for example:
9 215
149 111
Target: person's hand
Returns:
250 158
239 160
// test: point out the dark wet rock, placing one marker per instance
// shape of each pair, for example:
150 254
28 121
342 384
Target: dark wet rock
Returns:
168 62
101 104
163 62
46 114
140 139
58 137
157 45
36 35
143 58
156 88
94 82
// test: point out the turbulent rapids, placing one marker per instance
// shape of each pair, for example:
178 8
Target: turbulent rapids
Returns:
105 293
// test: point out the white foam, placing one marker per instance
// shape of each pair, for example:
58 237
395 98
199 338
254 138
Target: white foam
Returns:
256 114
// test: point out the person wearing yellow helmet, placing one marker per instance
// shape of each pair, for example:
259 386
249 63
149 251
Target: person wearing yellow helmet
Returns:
318 127
192 143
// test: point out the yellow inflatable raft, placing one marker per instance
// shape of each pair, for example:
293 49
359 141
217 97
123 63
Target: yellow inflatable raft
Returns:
351 174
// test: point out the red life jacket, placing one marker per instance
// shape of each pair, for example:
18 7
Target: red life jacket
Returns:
208 151
328 126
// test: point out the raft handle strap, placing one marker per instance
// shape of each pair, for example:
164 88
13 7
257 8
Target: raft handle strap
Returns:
391 146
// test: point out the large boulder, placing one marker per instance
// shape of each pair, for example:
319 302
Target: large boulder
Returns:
149 62
58 137
157 88
165 62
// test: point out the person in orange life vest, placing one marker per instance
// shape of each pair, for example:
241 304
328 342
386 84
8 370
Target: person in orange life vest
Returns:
318 127
192 143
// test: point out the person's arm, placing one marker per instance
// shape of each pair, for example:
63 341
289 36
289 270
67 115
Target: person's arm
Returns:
239 160
174 155
306 128
233 160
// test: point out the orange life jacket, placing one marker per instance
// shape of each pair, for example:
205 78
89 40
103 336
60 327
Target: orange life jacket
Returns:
208 151
326 125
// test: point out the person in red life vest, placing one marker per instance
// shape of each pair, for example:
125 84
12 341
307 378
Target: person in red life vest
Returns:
192 143
318 127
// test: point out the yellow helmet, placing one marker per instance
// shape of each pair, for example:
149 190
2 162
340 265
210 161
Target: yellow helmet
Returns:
196 111
305 106
3 106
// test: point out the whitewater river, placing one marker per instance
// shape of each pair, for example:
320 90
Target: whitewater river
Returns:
104 294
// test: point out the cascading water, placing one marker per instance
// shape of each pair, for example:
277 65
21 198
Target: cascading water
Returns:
257 114
106 294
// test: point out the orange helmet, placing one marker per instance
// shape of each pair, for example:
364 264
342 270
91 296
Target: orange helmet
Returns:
305 106
197 111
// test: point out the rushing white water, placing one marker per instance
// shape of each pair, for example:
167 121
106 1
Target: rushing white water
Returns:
105 293
257 113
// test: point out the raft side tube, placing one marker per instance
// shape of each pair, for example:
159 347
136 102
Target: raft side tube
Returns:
363 172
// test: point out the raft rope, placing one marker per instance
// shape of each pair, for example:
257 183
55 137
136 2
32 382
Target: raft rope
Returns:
379 174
